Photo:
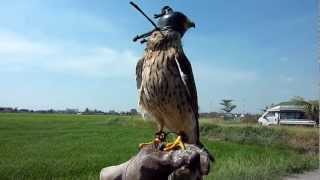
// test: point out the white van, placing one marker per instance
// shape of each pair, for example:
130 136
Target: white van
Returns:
285 115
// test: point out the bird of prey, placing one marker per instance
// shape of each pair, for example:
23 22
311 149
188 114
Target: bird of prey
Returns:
165 81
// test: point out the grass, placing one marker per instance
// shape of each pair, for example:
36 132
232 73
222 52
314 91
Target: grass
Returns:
302 139
254 162
35 146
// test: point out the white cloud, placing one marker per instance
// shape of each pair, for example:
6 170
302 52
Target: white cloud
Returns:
79 21
12 45
19 54
96 62
222 75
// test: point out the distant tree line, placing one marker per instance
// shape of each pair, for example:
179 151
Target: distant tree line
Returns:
87 111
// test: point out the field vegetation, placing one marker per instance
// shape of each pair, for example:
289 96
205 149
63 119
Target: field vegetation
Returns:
52 146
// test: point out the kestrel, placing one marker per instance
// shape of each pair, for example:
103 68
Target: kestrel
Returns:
165 81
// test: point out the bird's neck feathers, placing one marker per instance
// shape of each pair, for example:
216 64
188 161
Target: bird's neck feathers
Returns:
164 41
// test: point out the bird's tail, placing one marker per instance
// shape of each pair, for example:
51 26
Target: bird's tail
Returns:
211 157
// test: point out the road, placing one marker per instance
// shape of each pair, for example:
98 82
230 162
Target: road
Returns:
313 175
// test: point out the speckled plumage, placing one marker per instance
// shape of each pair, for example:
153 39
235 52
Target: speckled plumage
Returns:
166 85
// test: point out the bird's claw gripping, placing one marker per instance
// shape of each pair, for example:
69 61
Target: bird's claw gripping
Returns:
177 144
160 138
160 142
141 145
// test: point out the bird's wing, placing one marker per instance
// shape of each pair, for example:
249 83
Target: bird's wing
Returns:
188 80
139 67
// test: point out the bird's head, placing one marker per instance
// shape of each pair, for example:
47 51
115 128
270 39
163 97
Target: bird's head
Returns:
174 20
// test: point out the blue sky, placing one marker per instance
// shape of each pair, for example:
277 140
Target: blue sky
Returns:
79 53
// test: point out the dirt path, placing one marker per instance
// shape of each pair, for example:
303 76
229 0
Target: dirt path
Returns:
313 175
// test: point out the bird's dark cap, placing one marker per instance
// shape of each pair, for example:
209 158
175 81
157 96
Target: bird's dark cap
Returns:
170 19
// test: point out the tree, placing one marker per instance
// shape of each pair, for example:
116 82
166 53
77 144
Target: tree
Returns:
297 100
227 105
86 111
267 107
133 112
312 110
311 107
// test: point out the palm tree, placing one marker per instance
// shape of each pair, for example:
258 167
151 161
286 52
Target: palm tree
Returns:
227 105
227 108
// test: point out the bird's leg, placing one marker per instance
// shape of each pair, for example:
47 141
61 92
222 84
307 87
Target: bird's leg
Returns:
141 145
160 137
177 144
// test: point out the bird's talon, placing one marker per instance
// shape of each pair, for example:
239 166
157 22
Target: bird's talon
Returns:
177 144
141 145
156 142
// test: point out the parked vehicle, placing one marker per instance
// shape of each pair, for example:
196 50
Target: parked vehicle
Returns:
285 115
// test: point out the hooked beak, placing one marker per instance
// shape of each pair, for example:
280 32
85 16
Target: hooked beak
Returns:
191 24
